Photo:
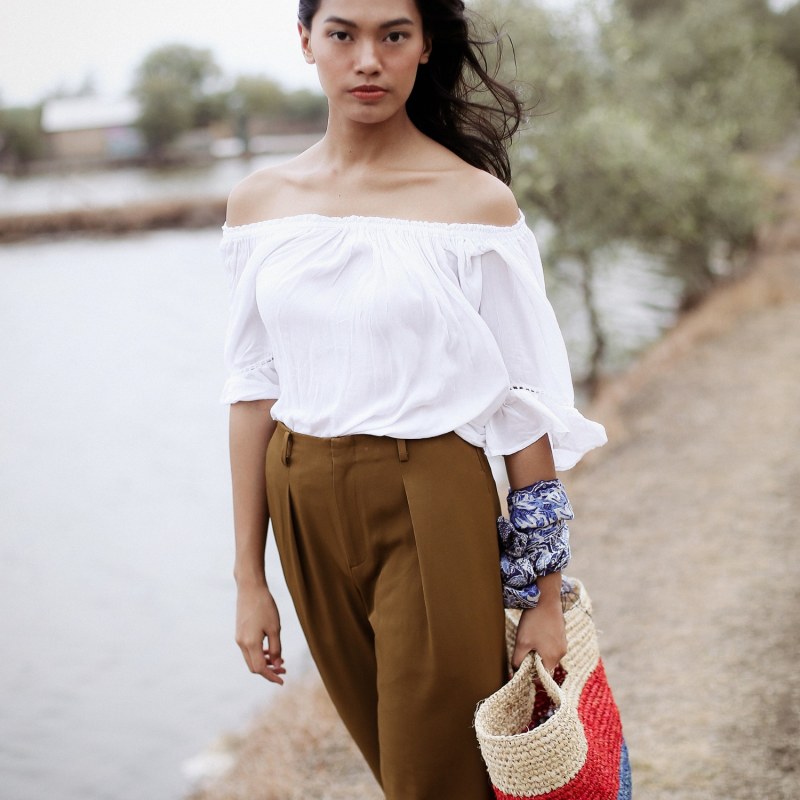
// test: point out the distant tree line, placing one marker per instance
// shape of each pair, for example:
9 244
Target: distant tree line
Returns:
178 88
647 116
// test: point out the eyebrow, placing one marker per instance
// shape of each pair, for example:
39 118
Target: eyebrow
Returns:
392 23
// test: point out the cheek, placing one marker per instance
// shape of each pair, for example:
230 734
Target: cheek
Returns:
407 65
328 69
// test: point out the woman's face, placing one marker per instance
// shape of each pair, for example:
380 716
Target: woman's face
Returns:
367 53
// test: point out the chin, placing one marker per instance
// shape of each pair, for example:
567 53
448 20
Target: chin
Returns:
372 115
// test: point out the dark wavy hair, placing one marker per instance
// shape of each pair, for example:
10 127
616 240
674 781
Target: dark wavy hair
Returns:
444 102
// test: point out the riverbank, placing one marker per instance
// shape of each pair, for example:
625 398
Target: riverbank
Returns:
198 212
687 538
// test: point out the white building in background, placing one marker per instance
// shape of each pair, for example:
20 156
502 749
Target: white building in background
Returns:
92 129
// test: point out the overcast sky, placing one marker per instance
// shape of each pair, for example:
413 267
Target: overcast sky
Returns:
45 44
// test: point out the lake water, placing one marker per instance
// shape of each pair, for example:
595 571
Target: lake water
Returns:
80 189
116 549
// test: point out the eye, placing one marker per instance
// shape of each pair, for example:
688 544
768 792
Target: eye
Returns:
339 36
395 37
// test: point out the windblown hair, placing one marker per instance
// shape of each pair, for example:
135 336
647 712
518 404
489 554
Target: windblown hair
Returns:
444 102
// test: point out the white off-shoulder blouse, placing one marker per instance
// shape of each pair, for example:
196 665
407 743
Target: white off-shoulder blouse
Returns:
400 328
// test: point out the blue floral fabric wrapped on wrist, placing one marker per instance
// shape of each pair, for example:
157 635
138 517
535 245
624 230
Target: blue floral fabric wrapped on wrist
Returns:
534 541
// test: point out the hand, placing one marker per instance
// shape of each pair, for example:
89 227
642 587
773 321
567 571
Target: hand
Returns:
257 618
541 629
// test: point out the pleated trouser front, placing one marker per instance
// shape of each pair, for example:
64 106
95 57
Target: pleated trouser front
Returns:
390 553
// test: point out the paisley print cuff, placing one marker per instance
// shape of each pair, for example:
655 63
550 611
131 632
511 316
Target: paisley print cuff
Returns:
539 506
529 596
535 542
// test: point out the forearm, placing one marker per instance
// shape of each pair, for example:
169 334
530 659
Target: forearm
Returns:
526 467
250 429
531 464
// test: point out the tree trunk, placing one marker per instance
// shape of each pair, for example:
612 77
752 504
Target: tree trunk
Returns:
598 339
694 268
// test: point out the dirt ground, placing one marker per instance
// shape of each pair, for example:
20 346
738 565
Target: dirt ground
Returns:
687 535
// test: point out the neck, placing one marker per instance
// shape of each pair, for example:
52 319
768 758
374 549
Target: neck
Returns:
349 145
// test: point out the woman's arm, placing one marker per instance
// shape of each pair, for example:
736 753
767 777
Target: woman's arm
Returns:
257 618
541 628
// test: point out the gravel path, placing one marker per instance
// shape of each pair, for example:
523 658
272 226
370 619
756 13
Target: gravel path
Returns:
689 544
688 539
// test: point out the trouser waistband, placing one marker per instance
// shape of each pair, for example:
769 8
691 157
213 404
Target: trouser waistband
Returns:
289 437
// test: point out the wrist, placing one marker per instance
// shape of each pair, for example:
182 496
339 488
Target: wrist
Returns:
550 587
248 579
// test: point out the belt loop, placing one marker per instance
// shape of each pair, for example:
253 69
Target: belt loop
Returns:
402 450
287 448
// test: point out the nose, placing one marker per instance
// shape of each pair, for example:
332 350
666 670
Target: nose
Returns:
367 59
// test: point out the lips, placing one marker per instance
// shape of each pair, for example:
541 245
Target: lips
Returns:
368 92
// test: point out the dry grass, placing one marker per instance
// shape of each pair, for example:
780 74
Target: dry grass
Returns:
297 750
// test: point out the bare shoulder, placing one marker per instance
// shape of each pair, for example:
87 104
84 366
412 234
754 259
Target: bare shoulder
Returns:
494 202
257 197
481 197
266 193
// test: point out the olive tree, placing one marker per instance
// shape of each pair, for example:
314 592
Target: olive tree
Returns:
641 133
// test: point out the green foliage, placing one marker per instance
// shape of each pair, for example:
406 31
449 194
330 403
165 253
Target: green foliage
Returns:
258 97
646 113
639 127
21 138
171 85
644 9
191 66
303 105
756 10
787 34
713 66
212 107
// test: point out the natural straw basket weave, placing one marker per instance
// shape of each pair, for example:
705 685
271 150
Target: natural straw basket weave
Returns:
577 753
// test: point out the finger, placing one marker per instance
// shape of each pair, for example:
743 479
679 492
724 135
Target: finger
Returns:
552 659
273 649
267 669
518 656
275 667
273 676
550 667
257 662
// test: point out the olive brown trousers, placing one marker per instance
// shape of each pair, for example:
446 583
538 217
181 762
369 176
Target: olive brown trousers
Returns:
390 553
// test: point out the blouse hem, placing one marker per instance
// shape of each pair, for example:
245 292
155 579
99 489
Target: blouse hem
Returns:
236 390
529 414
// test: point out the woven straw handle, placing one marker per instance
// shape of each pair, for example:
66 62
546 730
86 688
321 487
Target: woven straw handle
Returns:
532 663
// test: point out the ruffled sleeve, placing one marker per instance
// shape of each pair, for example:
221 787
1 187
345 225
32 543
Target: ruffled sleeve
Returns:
249 361
540 397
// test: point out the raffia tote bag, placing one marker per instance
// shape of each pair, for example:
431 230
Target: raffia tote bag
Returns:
563 739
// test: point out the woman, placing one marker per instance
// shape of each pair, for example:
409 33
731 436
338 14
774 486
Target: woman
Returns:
388 329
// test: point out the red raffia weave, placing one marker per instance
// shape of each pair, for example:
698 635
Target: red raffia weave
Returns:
598 778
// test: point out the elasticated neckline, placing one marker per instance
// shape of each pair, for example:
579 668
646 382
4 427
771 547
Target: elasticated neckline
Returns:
355 220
